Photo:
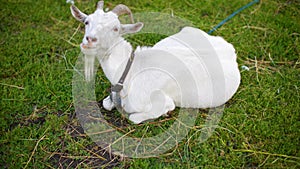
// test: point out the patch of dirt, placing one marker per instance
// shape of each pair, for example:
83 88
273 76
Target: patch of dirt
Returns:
114 117
97 157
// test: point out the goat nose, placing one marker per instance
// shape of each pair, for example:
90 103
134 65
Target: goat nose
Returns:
91 39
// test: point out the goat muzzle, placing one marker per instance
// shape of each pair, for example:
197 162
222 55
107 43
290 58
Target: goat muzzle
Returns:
91 39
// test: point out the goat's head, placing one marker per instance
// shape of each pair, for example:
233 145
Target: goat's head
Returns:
103 29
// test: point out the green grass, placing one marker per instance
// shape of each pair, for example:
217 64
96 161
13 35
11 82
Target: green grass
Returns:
39 47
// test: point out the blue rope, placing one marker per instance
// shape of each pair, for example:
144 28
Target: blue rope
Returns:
232 15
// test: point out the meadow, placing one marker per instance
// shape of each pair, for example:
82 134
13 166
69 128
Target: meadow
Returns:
39 48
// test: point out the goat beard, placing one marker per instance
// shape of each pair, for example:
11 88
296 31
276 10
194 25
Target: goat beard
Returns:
89 58
89 67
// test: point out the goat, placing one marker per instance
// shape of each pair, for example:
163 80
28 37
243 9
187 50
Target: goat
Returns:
189 69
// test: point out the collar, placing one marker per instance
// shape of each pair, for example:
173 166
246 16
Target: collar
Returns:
119 86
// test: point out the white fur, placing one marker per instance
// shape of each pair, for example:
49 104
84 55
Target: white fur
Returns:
189 69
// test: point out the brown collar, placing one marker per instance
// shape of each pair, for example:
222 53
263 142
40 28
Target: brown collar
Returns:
115 89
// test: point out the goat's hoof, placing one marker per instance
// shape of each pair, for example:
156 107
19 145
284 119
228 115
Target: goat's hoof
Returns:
166 115
108 104
169 114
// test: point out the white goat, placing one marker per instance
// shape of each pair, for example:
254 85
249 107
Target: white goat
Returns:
189 69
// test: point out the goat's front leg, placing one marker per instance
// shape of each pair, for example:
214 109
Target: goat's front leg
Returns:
160 104
108 104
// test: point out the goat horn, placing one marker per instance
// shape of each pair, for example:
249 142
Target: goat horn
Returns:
100 5
123 9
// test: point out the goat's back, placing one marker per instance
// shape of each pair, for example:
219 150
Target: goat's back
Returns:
195 69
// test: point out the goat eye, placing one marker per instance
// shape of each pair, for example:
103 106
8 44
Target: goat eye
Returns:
116 29
86 22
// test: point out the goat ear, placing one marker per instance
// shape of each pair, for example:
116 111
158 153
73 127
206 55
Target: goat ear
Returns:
131 28
77 13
